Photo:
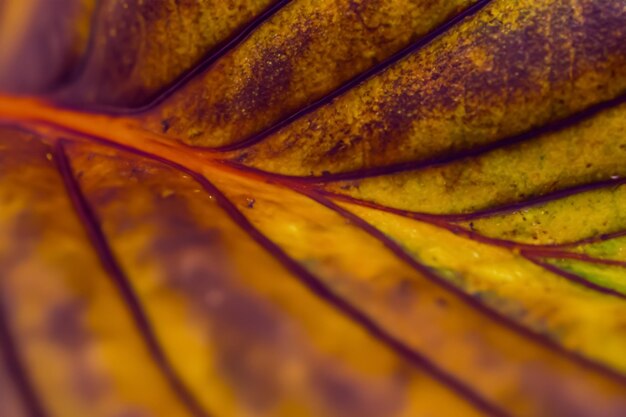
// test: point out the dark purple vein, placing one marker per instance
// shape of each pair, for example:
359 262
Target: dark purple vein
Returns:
573 277
348 85
91 225
443 221
17 370
536 201
433 220
595 239
437 161
576 256
215 54
494 315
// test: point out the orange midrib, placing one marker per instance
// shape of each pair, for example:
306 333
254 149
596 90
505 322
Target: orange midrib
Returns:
53 121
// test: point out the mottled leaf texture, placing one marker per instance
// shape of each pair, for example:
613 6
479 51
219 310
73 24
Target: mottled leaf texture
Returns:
312 208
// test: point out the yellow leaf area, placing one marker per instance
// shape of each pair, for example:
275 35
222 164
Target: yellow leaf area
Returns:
360 208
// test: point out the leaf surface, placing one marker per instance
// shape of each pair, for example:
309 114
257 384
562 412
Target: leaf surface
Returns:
330 208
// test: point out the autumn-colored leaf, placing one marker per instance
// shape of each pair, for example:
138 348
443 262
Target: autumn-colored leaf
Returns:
339 208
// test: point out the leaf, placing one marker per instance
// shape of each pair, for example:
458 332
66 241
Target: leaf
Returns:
329 208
